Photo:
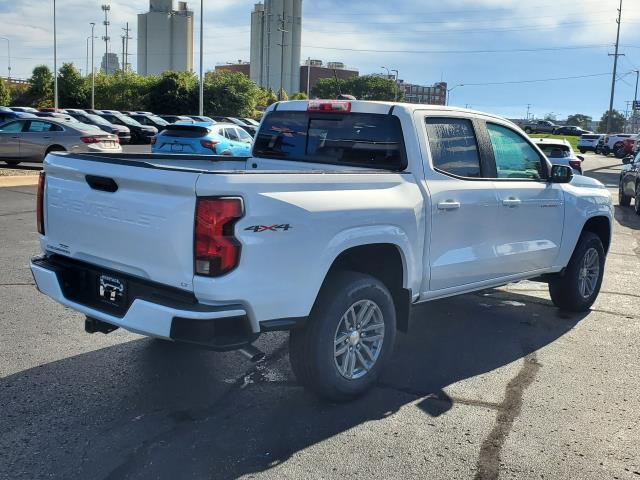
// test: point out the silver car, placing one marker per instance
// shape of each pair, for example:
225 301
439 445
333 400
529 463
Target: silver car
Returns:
30 140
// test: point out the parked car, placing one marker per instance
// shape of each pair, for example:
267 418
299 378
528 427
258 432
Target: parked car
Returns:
540 126
124 134
30 140
571 131
203 138
559 152
139 133
150 120
337 247
589 142
24 109
57 115
251 121
177 118
613 141
201 118
6 116
625 147
629 187
250 129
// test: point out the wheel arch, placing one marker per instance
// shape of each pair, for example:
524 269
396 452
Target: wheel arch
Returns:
387 263
601 226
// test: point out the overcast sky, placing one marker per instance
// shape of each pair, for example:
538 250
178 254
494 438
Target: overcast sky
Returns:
459 41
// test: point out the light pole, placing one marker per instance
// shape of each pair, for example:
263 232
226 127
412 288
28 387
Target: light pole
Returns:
55 59
449 90
93 73
8 55
201 100
395 94
388 72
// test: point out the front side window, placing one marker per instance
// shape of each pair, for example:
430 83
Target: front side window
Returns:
515 157
454 148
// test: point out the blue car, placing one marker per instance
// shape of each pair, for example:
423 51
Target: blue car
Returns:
203 138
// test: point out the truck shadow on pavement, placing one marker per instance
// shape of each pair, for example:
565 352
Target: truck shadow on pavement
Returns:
145 409
627 217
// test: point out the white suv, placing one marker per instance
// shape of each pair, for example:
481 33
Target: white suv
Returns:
559 152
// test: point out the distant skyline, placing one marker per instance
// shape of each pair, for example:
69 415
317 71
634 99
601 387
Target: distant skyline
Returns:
483 44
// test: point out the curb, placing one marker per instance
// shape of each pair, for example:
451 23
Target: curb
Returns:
18 180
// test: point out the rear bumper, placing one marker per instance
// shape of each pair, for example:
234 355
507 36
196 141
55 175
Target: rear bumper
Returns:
153 310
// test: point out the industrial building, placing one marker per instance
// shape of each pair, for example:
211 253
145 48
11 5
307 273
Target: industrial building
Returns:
276 34
435 94
110 63
165 38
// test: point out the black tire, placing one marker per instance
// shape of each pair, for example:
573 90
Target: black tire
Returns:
11 163
596 150
605 151
623 199
311 349
636 205
565 289
527 130
583 151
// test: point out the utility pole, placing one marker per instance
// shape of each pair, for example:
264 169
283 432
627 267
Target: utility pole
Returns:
637 72
201 86
106 9
282 45
528 110
615 68
8 56
395 94
309 77
55 59
124 60
93 72
125 54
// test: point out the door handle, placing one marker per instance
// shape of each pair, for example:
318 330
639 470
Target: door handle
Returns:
511 202
47 138
449 205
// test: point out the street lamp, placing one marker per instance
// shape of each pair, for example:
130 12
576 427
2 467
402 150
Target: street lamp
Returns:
388 71
8 55
201 100
395 95
449 90
55 60
93 73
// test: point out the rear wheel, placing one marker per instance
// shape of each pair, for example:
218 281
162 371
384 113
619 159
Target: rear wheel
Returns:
583 151
527 130
350 335
605 151
11 163
623 199
578 288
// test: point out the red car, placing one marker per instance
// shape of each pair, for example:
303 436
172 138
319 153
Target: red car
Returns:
625 147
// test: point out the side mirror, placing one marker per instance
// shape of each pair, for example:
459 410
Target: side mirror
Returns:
561 174
628 159
580 157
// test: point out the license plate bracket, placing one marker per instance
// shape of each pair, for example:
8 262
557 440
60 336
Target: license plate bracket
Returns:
112 290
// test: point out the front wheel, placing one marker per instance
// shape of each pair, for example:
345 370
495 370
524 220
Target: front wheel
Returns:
583 151
623 199
527 130
578 288
605 151
350 335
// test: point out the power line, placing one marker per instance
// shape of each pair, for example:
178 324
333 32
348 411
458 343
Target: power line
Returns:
513 50
538 80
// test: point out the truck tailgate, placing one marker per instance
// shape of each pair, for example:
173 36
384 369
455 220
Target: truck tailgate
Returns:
143 228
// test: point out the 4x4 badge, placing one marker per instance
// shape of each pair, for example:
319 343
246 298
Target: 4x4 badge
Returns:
269 228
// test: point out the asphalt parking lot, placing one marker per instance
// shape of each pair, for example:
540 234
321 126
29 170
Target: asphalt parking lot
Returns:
498 384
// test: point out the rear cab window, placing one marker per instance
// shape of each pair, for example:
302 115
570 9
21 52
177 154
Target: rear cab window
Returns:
453 145
351 139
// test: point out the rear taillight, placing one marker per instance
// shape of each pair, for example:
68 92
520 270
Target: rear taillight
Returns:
210 144
577 164
40 203
329 106
217 250
90 139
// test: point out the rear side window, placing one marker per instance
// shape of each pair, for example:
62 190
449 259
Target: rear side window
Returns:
453 145
37 127
590 137
354 139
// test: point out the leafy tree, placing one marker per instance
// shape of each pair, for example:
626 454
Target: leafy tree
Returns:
266 97
72 87
122 90
579 120
230 93
5 94
552 117
41 87
299 96
617 122
367 87
19 94
283 97
173 92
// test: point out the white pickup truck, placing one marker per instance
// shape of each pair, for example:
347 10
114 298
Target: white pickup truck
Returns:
347 215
